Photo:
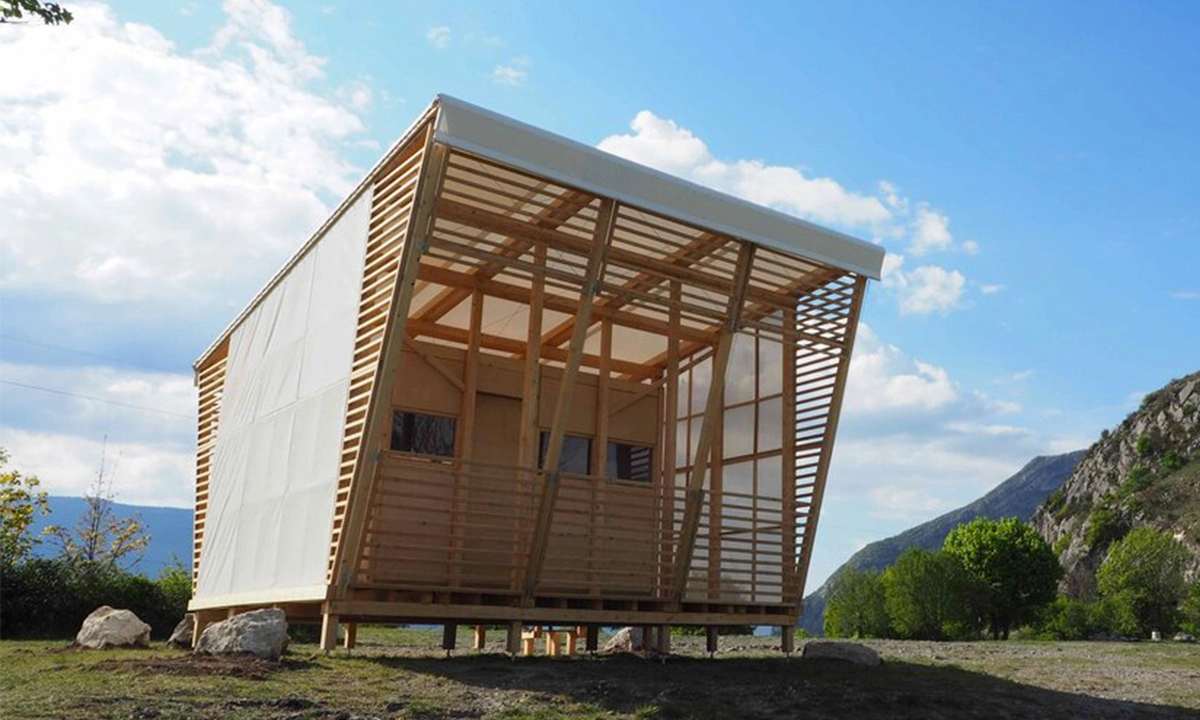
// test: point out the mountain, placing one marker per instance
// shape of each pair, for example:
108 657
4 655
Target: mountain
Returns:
1145 472
169 529
1019 496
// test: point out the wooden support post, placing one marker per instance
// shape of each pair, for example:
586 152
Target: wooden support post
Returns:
662 644
329 626
593 638
200 620
571 635
599 458
710 639
379 416
553 643
669 476
465 441
605 222
791 586
480 638
831 422
787 637
708 426
512 642
351 638
531 393
449 637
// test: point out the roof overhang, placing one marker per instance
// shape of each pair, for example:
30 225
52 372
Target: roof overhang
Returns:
475 130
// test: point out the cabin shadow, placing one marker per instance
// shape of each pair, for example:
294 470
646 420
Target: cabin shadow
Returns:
684 687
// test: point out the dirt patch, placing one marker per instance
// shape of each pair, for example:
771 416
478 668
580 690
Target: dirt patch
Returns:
246 667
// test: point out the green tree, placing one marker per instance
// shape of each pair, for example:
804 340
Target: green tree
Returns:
1190 610
856 606
1143 576
51 13
20 502
100 538
1016 570
928 596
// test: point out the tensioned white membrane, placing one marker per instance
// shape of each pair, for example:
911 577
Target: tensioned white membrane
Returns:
279 435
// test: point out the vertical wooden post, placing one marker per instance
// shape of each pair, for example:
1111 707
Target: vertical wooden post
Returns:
662 645
512 642
831 422
465 440
479 641
593 638
351 638
329 626
449 636
787 476
710 639
200 620
379 415
531 394
605 221
599 456
787 637
669 476
708 426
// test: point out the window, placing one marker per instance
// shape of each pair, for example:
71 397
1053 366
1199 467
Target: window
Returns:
630 462
576 455
423 434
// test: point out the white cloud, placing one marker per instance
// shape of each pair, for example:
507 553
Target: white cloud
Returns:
970 247
131 171
662 144
882 378
514 73
1186 294
990 289
439 37
930 231
924 290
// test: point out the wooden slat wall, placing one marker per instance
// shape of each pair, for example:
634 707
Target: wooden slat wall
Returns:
391 206
211 384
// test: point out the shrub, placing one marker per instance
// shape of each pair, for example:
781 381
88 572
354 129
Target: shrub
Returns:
929 596
1061 545
1170 461
1189 611
1064 619
1144 446
1056 502
1138 480
1105 526
1143 577
856 605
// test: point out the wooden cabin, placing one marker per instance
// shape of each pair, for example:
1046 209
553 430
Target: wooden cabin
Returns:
515 379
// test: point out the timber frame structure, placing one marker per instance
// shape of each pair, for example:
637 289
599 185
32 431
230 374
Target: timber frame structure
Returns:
628 386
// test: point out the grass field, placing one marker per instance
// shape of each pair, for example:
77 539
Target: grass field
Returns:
401 674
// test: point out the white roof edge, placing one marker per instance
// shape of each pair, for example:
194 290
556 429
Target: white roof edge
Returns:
482 132
424 117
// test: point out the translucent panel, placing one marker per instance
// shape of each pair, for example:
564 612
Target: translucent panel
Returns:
770 367
739 431
423 434
701 375
739 378
738 478
682 457
770 425
685 390
576 455
770 477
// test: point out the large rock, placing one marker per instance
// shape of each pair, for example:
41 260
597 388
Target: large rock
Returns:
627 639
844 651
181 637
259 632
108 627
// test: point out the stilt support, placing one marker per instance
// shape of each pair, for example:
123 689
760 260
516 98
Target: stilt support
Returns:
593 638
512 643
480 638
329 625
787 636
200 620
449 635
662 640
710 639
351 638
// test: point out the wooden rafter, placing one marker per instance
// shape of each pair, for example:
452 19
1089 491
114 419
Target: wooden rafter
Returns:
597 257
708 427
552 217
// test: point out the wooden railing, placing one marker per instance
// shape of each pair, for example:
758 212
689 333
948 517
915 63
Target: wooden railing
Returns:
448 525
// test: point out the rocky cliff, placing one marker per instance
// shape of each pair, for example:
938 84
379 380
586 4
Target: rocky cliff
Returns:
1145 472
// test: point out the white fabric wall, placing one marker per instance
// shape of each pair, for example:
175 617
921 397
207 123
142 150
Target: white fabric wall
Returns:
279 435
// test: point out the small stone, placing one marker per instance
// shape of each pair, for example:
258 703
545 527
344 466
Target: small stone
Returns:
108 627
1184 637
627 639
260 632
844 651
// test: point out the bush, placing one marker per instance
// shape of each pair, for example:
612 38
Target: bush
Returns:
1139 479
1189 611
1143 577
50 598
1105 526
1170 461
929 596
856 605
1064 619
1145 446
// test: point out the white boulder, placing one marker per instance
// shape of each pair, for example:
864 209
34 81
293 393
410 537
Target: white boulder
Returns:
627 639
259 632
844 651
181 637
108 627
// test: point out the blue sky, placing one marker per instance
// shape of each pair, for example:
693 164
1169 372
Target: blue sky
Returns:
1030 168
